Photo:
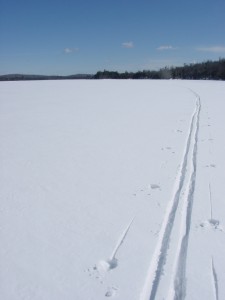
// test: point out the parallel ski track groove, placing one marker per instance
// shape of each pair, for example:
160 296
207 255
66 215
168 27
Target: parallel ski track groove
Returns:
215 280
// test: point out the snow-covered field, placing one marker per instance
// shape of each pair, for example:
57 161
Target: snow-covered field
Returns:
112 189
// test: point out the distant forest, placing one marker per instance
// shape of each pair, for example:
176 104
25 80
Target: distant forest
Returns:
214 70
206 70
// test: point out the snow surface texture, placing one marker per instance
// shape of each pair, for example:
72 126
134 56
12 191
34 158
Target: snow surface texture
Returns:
112 189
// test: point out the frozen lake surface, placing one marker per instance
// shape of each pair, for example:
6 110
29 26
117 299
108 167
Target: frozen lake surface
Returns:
112 189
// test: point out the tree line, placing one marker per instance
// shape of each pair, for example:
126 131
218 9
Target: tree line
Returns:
214 70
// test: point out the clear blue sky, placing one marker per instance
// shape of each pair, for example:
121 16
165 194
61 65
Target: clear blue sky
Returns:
84 36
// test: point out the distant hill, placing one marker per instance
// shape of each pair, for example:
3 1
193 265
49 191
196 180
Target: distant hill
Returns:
17 77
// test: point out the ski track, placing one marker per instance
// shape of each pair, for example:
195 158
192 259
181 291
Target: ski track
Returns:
156 269
179 280
215 281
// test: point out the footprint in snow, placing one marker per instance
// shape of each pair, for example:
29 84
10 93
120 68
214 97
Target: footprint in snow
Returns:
102 267
211 223
211 166
106 265
98 271
155 186
167 148
111 292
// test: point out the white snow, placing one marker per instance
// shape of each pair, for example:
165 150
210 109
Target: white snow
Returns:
112 189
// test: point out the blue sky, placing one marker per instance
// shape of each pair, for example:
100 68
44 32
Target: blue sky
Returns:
84 36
